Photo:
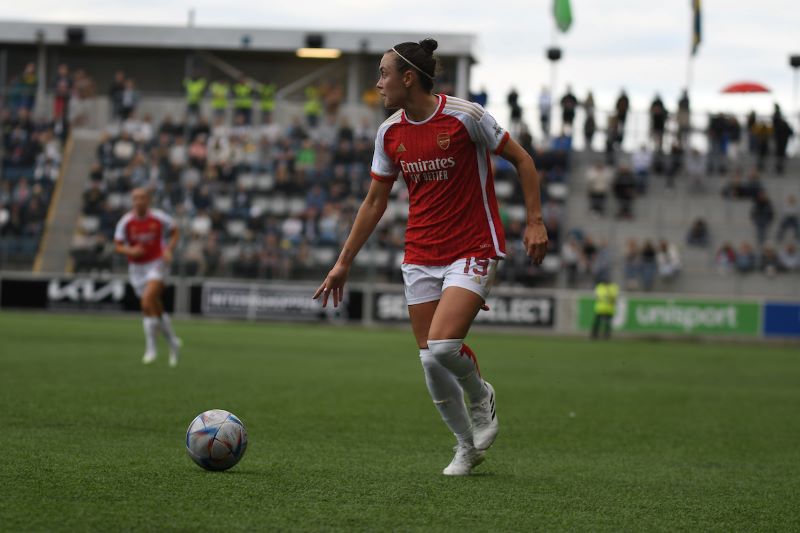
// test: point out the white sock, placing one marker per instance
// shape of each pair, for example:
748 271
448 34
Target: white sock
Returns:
459 359
150 324
166 328
447 396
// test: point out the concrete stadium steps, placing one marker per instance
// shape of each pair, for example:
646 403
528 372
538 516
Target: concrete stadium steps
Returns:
57 239
668 214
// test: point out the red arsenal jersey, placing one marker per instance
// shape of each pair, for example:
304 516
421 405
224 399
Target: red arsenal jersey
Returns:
148 232
445 162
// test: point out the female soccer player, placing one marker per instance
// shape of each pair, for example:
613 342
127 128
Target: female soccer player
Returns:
140 237
454 237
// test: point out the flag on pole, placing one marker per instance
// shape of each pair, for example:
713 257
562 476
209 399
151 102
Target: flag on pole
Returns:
697 27
563 14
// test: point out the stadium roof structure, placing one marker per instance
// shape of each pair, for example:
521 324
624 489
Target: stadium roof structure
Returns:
222 38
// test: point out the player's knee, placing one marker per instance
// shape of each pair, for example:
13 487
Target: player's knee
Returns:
427 359
445 350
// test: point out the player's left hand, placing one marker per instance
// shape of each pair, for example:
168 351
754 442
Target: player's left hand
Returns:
535 241
333 286
167 256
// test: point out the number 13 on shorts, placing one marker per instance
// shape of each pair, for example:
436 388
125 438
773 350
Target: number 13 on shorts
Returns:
480 271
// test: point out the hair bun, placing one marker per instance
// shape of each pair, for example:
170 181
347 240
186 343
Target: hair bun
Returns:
429 45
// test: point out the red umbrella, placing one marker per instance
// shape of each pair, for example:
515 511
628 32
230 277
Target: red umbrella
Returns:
745 87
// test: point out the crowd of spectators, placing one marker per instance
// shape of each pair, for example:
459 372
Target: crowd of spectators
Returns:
31 159
269 201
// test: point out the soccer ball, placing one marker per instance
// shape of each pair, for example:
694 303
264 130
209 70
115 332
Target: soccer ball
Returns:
216 440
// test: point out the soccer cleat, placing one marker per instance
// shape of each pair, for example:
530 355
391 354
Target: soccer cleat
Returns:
174 351
149 357
467 457
484 420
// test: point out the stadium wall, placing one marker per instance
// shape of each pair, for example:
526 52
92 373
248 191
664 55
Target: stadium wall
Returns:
533 311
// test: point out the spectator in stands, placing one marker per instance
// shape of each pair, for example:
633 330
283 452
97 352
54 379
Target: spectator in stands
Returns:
674 163
589 129
83 91
129 99
649 265
631 266
790 218
178 155
762 215
725 258
658 122
570 259
625 191
782 132
698 234
23 92
789 257
598 177
545 107
62 90
601 266
669 260
734 189
621 107
684 119
745 259
752 188
94 199
613 138
123 151
770 264
695 170
716 144
569 103
642 162
762 132
115 91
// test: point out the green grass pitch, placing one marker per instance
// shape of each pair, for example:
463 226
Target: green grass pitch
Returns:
619 436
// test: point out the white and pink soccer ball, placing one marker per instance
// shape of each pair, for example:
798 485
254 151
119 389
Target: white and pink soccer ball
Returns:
216 440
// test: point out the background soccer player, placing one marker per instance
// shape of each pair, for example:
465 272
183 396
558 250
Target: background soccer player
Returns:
140 237
454 237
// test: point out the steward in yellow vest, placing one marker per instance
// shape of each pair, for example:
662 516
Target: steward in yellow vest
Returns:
313 106
243 100
267 101
195 87
219 89
604 306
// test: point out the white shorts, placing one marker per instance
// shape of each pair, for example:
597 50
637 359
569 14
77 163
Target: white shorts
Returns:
140 273
426 283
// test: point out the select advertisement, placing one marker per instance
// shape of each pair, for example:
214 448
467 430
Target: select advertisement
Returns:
681 316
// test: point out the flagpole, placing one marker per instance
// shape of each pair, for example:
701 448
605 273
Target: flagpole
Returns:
690 59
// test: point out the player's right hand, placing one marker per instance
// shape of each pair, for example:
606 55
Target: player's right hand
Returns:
136 251
333 285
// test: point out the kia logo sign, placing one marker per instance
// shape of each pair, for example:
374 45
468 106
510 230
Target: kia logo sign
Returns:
85 290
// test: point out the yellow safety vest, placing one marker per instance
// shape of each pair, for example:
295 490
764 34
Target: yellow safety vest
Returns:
243 98
219 95
194 89
606 298
268 97
313 105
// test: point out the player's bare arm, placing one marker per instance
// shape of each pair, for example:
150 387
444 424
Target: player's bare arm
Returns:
535 237
127 250
370 212
174 236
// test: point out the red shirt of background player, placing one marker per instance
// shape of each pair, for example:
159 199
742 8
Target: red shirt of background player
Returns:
445 162
147 232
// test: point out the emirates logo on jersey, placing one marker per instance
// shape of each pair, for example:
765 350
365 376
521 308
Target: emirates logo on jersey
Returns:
443 139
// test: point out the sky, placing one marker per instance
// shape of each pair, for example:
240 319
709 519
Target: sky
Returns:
642 45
